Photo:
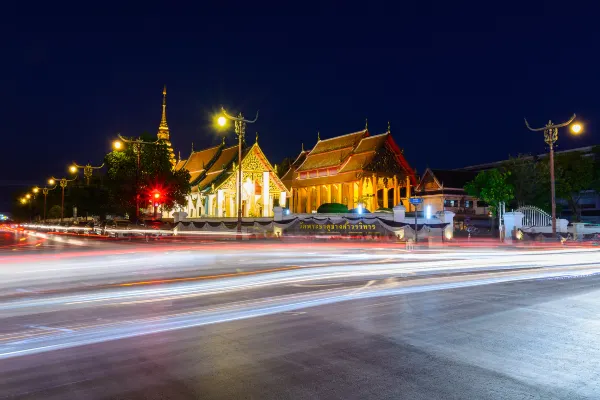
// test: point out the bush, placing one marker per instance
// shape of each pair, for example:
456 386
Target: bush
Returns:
332 208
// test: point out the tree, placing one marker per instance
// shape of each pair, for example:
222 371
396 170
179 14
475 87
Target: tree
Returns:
283 166
574 173
125 182
528 178
491 186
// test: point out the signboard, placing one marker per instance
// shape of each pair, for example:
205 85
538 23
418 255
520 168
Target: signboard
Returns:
416 200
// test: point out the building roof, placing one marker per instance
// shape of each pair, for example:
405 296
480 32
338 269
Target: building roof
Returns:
449 178
180 164
496 164
339 142
347 153
218 166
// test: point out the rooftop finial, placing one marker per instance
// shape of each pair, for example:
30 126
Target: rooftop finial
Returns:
256 141
179 156
366 124
303 147
318 135
223 140
192 147
389 127
163 120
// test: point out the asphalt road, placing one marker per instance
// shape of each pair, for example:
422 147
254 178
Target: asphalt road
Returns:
318 321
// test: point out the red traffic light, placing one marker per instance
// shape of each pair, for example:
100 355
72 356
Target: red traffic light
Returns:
157 195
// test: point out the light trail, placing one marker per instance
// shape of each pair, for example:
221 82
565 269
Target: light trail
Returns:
63 337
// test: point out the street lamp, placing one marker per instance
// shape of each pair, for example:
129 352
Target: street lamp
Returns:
45 191
87 170
240 131
63 184
137 149
550 137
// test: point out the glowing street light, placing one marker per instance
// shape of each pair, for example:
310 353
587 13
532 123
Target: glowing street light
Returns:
27 196
550 137
240 131
576 128
87 170
137 149
63 184
35 189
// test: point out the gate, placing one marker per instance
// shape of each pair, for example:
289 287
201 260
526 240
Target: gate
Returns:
534 217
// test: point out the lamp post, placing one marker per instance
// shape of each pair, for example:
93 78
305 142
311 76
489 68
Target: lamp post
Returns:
63 184
137 149
45 191
550 137
240 131
87 170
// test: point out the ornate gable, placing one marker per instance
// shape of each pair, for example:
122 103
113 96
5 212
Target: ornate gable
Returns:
385 161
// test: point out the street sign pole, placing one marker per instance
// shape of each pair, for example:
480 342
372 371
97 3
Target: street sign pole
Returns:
415 201
416 212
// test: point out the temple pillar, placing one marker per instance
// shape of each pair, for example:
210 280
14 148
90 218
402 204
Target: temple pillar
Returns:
292 202
308 200
211 210
408 194
361 183
375 205
220 201
385 197
265 194
318 203
329 189
282 199
396 192
232 210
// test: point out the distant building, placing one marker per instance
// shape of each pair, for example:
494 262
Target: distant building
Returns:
443 190
353 169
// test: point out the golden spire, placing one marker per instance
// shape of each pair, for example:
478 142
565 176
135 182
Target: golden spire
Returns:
303 147
163 128
256 141
366 124
389 127
318 135
178 156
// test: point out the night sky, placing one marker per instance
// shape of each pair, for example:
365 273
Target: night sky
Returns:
454 83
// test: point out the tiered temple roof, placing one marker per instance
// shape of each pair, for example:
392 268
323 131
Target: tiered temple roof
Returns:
341 158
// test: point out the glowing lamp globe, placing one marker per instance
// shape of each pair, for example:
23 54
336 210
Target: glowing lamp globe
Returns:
222 121
576 129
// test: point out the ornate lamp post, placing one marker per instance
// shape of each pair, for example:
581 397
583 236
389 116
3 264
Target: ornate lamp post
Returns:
45 191
87 170
63 184
137 149
240 131
550 137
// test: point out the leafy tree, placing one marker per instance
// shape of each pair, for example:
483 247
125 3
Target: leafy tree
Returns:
491 186
125 181
574 173
53 212
284 166
529 179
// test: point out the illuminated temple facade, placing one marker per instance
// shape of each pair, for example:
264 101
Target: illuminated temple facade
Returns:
357 169
214 177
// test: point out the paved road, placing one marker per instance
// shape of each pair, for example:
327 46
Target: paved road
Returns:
343 323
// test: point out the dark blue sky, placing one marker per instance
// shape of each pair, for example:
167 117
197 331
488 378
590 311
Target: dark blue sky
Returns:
455 83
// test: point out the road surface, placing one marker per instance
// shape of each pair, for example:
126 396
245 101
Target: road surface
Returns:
202 320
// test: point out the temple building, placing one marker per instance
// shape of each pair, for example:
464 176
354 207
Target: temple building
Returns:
163 128
214 179
357 169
